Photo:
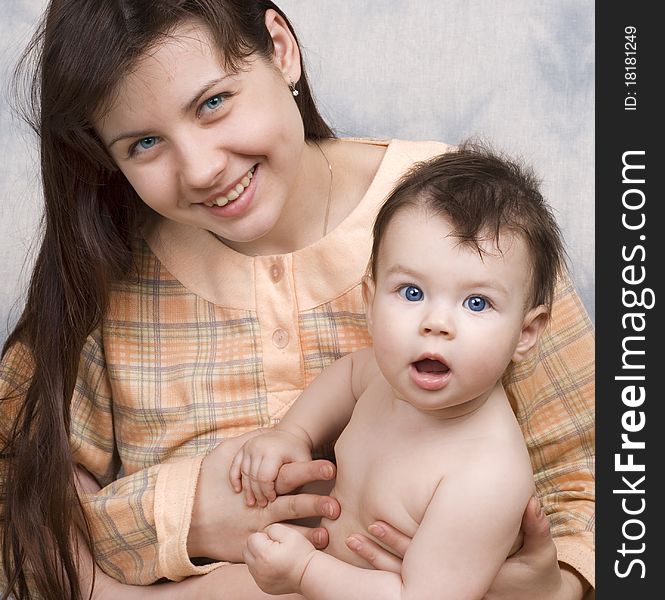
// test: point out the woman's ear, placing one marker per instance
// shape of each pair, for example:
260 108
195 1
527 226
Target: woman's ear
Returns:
533 326
286 55
368 298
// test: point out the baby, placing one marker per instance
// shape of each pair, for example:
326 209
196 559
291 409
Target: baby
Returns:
464 263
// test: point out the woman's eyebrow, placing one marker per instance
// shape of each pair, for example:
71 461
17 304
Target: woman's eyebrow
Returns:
204 88
188 106
126 135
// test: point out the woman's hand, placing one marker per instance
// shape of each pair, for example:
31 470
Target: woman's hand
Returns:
532 572
221 521
229 581
377 555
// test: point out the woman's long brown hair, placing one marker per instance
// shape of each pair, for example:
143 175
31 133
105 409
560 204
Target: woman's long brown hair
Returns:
90 222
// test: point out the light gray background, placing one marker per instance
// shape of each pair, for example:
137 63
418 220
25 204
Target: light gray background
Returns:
519 73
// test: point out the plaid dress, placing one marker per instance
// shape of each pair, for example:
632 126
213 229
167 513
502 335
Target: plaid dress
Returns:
203 344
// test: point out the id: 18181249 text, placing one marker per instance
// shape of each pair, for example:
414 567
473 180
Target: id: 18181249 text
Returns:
630 68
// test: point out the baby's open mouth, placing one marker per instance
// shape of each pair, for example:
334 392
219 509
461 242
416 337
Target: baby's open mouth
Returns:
430 365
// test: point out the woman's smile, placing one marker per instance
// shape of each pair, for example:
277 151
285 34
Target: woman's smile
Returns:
233 192
238 200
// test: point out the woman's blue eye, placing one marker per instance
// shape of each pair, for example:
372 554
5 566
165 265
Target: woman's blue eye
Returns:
411 293
214 102
147 142
476 303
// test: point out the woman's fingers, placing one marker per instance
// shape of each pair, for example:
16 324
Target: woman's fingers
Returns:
533 571
374 554
394 539
318 536
299 506
293 475
237 520
535 527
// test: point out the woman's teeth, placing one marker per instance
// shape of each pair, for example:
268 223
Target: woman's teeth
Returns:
233 194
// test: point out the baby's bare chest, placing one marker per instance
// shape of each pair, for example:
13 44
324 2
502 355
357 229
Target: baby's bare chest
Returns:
386 473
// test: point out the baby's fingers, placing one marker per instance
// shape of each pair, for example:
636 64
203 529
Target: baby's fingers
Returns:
235 474
263 481
250 498
255 547
247 483
266 477
259 495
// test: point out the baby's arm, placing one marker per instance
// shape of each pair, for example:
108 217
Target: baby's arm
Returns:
467 531
469 527
317 416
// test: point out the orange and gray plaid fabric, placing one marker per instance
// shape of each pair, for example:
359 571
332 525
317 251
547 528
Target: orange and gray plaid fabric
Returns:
203 344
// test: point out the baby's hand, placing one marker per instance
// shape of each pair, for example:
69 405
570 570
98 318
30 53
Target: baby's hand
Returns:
277 558
255 466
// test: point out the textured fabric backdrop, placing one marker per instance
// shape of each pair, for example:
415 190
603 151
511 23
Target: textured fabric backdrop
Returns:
518 73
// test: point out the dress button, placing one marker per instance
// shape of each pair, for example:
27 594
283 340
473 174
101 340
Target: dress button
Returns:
280 338
276 272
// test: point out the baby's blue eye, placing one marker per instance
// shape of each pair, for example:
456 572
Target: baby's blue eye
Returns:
147 142
476 303
411 293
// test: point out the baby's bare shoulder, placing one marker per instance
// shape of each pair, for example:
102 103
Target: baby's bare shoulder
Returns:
364 369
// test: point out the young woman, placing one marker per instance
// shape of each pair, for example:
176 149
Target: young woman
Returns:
205 238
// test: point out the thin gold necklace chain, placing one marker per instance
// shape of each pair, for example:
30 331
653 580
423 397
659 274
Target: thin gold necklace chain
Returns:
327 213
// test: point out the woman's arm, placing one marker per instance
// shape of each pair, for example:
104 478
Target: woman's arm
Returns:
216 526
229 581
150 524
137 520
221 520
534 572
225 581
553 393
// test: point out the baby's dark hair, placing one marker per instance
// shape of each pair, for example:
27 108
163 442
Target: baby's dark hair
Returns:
483 195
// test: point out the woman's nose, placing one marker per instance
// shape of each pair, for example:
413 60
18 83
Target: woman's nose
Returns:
202 162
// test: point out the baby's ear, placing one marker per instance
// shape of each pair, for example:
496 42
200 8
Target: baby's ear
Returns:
532 327
368 298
